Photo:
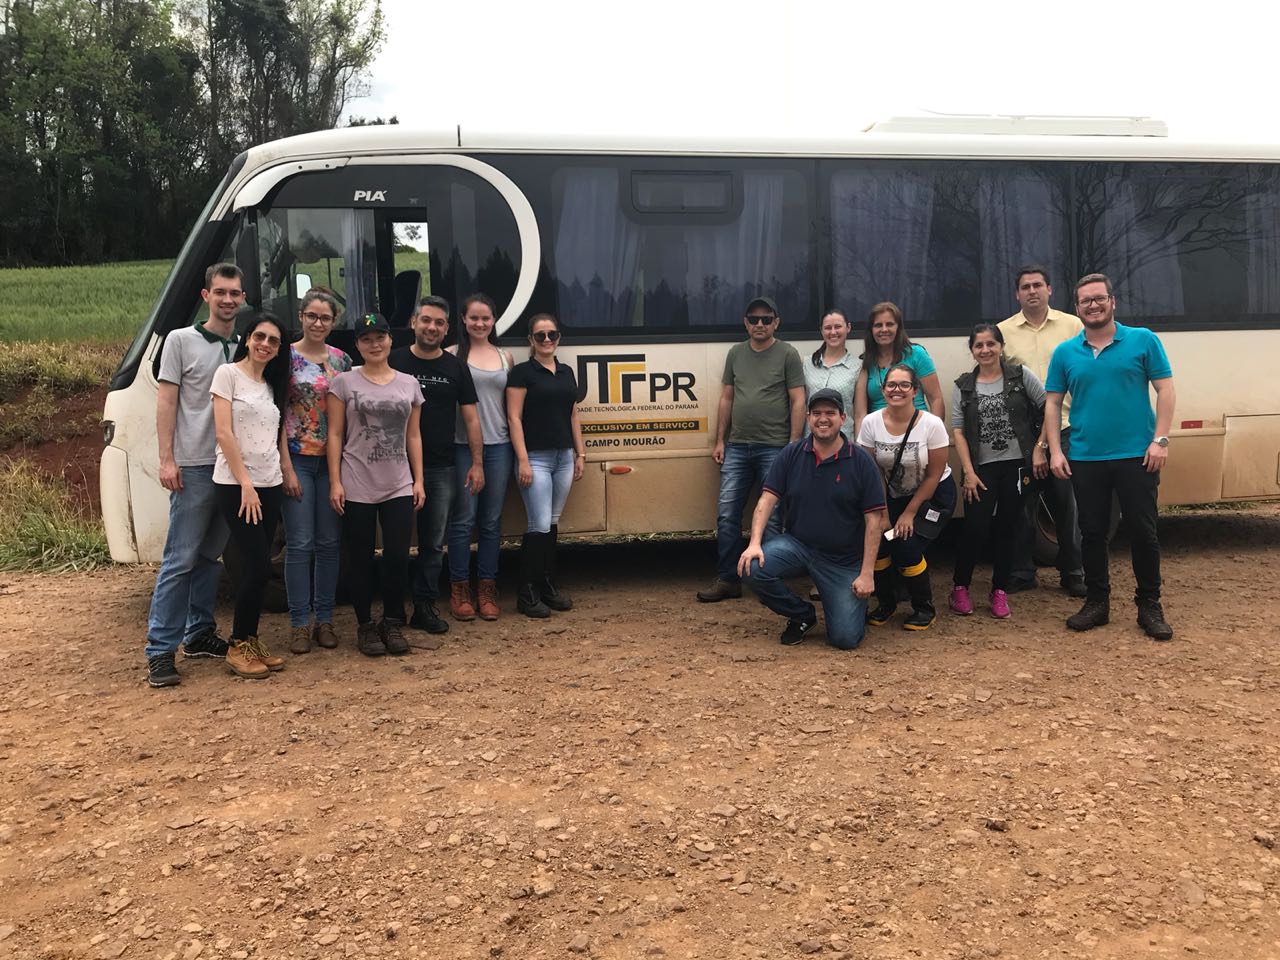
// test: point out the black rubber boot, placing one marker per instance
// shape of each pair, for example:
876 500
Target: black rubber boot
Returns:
532 573
552 597
885 596
921 593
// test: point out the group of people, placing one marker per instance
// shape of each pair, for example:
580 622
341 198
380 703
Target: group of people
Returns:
851 456
850 453
253 429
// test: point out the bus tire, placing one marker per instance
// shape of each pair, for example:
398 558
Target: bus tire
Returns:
1044 550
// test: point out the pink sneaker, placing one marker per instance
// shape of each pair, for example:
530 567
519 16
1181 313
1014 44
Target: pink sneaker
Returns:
960 602
999 604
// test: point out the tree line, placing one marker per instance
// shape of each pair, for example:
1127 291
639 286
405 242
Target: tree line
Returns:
119 117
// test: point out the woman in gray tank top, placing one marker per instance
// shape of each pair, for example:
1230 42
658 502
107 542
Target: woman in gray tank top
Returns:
480 512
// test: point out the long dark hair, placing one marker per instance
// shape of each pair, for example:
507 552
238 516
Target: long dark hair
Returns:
276 372
464 338
870 350
833 312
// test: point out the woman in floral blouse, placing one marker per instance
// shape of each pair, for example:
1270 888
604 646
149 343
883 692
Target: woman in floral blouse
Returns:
312 529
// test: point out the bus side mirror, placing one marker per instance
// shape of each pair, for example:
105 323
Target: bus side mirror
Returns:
302 283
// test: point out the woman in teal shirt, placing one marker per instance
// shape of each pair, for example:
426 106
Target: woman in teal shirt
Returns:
884 345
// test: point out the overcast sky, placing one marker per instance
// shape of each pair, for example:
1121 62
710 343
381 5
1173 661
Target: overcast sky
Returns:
1208 69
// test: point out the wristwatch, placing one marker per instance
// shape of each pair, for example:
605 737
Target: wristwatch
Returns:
1043 444
1161 441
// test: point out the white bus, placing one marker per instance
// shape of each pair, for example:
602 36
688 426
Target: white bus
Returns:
649 249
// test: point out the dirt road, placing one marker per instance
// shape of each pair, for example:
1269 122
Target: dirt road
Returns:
648 777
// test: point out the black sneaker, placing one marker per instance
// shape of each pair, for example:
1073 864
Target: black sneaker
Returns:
1151 620
369 640
393 638
1074 587
881 615
920 619
161 671
207 644
427 617
797 627
1094 613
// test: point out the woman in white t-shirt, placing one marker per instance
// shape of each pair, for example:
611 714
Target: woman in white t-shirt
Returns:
910 448
250 476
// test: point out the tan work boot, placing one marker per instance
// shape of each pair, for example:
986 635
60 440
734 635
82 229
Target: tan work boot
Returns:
326 637
243 661
273 663
488 599
300 640
461 604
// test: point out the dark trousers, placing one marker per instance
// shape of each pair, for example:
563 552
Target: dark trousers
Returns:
908 553
253 541
994 515
1060 497
360 528
1095 482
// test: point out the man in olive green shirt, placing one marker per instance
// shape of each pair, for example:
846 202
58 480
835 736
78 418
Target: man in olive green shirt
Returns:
761 410
1031 336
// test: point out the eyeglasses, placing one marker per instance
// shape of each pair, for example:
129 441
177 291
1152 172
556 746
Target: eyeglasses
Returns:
543 336
316 318
259 337
755 319
1090 301
898 386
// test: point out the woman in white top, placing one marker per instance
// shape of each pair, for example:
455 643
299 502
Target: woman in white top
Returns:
910 448
250 475
480 510
833 367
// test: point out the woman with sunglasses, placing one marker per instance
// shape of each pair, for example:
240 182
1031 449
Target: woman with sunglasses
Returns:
249 396
832 366
997 417
480 510
885 344
542 415
374 453
910 448
312 529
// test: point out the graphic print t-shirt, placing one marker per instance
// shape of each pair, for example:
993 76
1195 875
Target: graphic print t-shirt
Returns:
929 433
375 463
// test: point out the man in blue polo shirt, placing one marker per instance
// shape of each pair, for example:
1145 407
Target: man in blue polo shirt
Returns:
1118 446
833 513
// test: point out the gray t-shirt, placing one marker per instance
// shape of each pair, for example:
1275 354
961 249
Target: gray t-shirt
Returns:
491 404
760 380
375 461
188 360
996 440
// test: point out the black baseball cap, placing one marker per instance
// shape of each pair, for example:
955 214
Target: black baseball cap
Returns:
767 301
830 396
371 323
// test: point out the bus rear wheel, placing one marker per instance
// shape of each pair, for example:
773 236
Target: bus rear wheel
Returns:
1045 548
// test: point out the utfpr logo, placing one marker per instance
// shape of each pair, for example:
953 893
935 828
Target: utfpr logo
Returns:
618 374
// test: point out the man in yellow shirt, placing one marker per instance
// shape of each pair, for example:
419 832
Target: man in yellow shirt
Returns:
1031 335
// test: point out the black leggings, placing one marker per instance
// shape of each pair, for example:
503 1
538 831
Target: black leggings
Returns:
994 514
253 542
360 527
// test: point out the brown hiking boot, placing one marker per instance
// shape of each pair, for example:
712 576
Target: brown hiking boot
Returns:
369 640
243 661
488 590
393 638
300 639
272 662
326 637
720 590
461 604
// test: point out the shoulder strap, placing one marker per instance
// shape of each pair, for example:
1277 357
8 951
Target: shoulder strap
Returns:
897 457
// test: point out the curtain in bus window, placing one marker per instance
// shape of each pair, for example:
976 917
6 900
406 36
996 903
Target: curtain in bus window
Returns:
1262 220
597 251
881 224
359 300
1022 221
728 265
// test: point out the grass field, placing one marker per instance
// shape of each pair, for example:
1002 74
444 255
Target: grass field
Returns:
102 304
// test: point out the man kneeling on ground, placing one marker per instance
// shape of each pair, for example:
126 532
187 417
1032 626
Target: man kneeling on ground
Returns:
833 514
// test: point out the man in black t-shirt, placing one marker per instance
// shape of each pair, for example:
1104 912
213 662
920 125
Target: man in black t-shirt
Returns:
447 391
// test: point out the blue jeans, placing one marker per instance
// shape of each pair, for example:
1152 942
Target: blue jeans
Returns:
482 513
785 556
187 584
312 531
544 499
433 524
745 465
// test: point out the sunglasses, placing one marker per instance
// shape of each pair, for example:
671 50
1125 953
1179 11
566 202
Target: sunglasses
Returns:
756 320
259 337
545 336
